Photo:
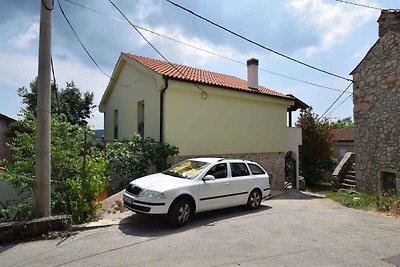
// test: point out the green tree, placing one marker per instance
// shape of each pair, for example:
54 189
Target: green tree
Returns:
346 123
315 154
68 101
68 170
133 159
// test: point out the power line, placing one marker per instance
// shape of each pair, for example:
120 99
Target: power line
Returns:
207 51
360 5
341 103
337 99
83 46
55 85
257 44
204 93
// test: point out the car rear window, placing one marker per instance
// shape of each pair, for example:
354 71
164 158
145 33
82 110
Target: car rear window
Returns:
239 169
256 169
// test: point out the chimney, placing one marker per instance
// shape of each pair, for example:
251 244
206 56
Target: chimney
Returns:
389 20
252 73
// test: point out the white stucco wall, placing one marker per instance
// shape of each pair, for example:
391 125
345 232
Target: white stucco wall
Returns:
142 86
228 121
295 139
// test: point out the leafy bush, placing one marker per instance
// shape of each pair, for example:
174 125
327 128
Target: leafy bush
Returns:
68 172
315 155
134 158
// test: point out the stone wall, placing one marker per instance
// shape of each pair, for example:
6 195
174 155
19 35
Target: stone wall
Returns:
273 163
377 113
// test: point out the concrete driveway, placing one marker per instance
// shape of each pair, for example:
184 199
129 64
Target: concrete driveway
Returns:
291 230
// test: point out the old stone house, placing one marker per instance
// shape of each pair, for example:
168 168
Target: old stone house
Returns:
377 110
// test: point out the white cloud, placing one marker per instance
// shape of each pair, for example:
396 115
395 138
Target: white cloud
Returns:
143 9
85 78
331 21
188 55
24 39
362 52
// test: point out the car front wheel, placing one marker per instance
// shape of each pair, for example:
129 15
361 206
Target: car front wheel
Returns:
254 200
180 212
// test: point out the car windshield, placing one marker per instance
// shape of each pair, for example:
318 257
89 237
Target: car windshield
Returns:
188 169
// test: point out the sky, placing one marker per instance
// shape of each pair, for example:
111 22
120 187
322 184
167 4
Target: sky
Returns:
327 34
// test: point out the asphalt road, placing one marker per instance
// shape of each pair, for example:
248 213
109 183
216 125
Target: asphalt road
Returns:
291 230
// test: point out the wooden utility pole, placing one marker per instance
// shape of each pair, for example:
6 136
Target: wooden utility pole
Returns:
43 113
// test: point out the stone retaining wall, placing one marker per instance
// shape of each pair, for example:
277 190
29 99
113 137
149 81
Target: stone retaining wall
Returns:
272 162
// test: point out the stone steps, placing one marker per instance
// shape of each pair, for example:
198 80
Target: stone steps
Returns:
349 182
348 186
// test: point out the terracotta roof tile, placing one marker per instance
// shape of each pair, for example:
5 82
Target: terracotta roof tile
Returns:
200 76
344 135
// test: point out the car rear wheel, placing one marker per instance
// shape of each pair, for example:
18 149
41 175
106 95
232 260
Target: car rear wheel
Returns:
180 212
254 200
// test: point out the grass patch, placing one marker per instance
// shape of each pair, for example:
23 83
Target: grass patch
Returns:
386 203
322 188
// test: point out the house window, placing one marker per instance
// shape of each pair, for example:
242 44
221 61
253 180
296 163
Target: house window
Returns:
387 181
342 152
140 120
116 124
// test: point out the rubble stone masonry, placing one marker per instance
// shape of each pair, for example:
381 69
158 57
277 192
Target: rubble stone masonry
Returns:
272 162
377 113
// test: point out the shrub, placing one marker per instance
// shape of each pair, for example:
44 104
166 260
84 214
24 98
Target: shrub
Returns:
134 158
68 173
315 155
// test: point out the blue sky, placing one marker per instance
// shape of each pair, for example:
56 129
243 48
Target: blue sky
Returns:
325 33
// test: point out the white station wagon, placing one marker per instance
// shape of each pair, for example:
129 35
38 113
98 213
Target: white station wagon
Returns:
198 185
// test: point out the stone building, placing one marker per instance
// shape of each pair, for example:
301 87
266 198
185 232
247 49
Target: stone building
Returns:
377 110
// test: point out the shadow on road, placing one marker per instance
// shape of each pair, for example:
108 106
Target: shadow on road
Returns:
293 194
157 226
5 247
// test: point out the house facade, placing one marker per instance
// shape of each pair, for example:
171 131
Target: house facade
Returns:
5 152
343 142
376 97
203 113
7 191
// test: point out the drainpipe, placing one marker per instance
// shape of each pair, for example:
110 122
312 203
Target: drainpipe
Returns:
162 110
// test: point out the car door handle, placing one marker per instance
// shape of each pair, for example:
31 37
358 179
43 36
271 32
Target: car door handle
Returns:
250 180
227 183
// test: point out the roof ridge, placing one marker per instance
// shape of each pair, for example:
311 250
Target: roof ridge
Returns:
181 65
197 75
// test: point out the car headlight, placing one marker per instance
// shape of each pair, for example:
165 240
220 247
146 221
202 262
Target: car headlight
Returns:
152 194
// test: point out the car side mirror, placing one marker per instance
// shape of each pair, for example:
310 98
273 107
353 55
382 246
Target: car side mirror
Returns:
208 178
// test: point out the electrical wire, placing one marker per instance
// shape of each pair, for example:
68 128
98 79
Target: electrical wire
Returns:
84 47
257 44
55 85
204 93
360 5
341 103
207 51
337 99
